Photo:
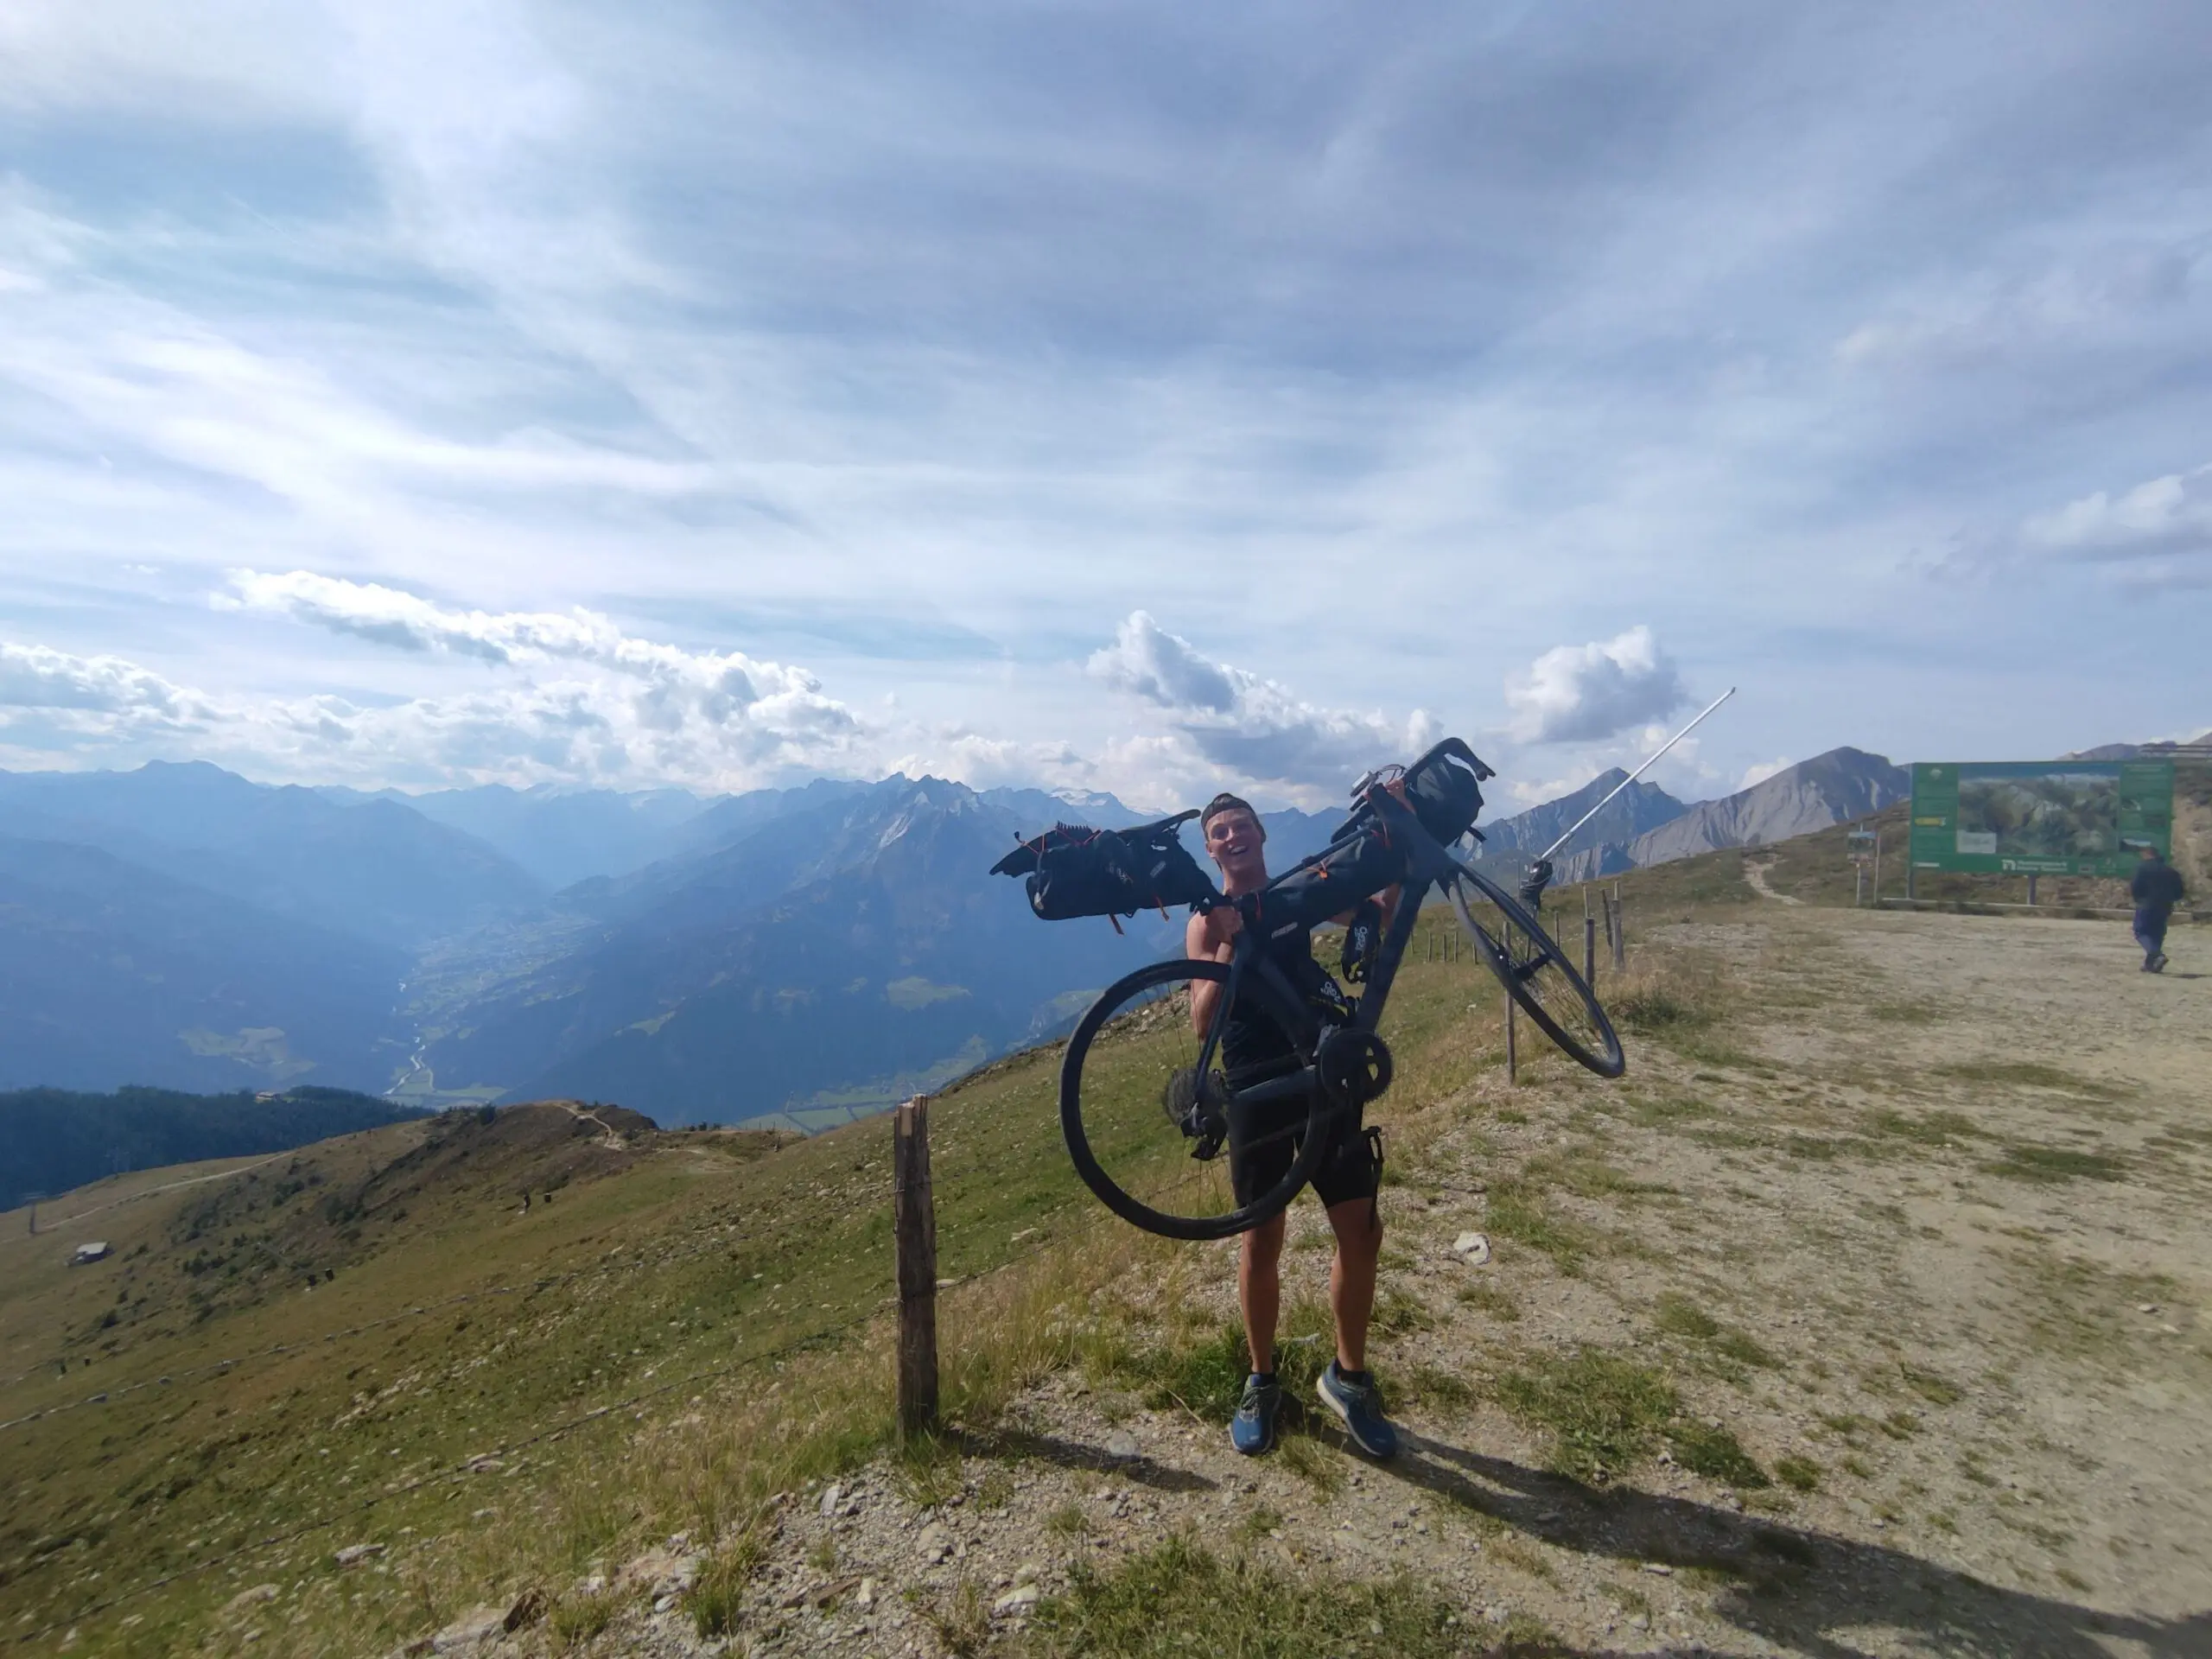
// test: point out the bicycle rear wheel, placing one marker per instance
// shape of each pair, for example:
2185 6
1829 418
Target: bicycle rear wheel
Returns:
1537 974
1148 1131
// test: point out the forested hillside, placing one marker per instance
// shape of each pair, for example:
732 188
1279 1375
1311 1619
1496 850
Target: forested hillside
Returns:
51 1139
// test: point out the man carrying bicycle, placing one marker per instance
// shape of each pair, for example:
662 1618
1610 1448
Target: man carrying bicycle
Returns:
1347 1182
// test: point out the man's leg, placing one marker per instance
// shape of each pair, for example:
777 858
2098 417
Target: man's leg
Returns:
1259 1290
2147 934
1351 1277
1346 1387
2158 943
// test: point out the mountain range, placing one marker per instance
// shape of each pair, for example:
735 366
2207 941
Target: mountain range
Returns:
1645 825
812 952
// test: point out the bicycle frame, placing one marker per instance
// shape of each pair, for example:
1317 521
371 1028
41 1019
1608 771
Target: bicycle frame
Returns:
1427 865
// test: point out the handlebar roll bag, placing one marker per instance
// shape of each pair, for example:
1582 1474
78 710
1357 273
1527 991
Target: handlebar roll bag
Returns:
1444 795
1076 871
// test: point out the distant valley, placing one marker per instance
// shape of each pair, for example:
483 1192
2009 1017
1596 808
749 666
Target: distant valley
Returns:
803 956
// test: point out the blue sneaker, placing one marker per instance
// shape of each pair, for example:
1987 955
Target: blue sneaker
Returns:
1252 1430
1353 1396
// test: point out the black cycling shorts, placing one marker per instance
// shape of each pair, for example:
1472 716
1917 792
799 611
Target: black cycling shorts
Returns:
1349 1170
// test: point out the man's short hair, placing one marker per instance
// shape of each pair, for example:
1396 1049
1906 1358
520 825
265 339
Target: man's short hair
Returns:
1223 802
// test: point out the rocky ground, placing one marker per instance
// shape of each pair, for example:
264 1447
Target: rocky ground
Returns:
1867 1316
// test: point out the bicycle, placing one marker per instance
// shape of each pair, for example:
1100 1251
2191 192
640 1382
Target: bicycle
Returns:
1140 1083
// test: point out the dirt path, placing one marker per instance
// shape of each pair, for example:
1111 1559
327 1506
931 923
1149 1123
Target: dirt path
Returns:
50 1223
1755 878
1914 1231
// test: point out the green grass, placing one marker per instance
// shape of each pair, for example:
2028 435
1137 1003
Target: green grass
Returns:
2031 1074
1498 1303
1937 1389
1800 1474
663 1263
2030 1161
1433 1385
1180 1599
1927 1130
1517 1211
1601 1412
1676 1315
716 1595
1716 1453
1679 1316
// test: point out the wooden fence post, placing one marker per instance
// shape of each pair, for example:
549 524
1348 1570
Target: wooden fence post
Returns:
1620 930
914 1225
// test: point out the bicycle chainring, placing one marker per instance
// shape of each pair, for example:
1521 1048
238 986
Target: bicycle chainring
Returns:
1354 1066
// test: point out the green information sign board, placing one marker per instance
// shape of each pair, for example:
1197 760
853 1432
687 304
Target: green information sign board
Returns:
2040 817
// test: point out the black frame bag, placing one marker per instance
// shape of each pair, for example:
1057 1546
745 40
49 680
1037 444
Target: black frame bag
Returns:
1076 871
1356 866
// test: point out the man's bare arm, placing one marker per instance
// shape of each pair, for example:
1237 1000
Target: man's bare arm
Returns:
1208 940
1388 898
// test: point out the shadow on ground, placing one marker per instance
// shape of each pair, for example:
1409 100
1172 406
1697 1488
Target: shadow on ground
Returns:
1015 1445
1789 1586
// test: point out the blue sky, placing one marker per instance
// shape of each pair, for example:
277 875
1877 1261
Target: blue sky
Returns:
1120 396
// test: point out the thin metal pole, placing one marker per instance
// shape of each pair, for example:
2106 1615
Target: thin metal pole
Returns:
1637 773
1512 1057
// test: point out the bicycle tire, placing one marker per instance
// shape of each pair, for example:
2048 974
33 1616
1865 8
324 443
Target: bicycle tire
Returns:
1127 995
1594 1045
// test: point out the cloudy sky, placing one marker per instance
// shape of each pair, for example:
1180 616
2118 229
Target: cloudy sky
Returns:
1110 396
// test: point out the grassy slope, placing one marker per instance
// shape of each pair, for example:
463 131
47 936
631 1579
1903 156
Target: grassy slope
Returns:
677 1256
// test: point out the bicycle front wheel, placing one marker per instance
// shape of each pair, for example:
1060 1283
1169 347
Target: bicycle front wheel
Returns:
1536 972
1148 1129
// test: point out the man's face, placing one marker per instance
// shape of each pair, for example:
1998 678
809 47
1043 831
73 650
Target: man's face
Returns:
1234 839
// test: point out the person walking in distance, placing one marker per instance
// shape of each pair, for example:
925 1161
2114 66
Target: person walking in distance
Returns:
2156 890
1347 1182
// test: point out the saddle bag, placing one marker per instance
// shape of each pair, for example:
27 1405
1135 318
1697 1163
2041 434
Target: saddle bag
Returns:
1076 871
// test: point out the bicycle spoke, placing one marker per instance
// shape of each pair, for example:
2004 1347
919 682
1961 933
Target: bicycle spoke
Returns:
1538 974
1149 1132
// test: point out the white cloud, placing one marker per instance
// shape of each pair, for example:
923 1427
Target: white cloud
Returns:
575 698
2173 514
92 699
1574 694
655 711
1146 661
1256 728
1762 771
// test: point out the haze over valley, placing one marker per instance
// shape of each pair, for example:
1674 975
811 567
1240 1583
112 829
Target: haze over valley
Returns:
808 954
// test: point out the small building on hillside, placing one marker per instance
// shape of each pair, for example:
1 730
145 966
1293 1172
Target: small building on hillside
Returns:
88 1253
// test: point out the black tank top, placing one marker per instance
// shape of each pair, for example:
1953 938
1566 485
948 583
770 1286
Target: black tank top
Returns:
1254 1044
